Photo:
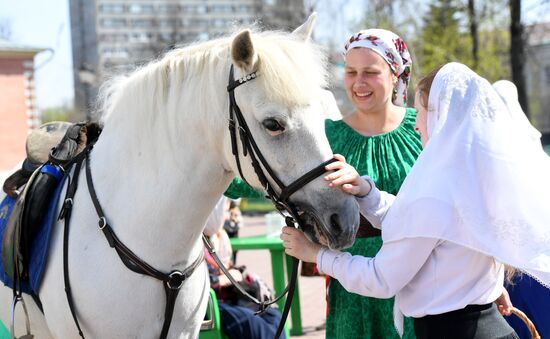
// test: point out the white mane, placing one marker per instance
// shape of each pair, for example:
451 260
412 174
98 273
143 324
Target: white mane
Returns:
287 66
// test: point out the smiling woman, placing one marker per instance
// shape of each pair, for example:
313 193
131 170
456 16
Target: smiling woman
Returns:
378 139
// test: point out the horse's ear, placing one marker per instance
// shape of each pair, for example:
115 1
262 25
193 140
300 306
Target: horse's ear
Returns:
305 30
242 51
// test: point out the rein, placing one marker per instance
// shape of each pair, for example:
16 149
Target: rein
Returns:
172 281
281 201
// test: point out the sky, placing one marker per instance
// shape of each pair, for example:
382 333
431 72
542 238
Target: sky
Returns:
45 24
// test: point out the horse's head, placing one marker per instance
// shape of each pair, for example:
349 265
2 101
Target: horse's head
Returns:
283 109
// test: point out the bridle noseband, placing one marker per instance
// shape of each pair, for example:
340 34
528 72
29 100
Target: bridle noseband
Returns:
281 200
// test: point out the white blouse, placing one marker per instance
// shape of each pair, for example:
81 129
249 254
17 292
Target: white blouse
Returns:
427 276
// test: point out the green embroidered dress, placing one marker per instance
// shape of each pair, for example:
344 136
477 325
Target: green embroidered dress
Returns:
386 158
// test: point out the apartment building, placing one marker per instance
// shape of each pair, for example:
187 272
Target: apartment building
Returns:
112 36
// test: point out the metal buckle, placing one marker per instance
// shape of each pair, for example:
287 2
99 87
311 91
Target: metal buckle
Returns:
69 201
174 276
16 299
102 223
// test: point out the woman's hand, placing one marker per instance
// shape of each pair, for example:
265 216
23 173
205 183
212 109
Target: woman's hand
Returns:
504 303
297 245
346 177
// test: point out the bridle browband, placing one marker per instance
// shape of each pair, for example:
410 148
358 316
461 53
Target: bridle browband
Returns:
281 200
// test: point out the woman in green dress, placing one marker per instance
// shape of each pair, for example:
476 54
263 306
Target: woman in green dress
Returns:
379 140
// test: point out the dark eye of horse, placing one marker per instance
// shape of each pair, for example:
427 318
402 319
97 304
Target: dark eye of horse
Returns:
273 125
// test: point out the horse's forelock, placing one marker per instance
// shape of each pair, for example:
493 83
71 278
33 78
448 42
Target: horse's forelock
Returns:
291 70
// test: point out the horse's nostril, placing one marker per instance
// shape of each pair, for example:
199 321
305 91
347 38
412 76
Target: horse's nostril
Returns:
335 223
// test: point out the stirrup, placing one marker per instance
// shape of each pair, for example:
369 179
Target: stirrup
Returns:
27 320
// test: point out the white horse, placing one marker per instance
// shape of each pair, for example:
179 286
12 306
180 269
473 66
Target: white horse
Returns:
161 163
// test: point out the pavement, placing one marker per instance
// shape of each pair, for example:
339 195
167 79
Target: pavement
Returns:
312 289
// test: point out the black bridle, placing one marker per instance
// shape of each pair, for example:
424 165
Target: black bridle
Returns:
281 200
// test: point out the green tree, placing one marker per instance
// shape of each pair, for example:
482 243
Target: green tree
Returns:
59 113
494 60
444 37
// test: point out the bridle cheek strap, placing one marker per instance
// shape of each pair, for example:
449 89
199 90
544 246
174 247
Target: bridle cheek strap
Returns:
281 201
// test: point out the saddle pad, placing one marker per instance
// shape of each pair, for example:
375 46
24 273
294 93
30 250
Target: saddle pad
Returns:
39 246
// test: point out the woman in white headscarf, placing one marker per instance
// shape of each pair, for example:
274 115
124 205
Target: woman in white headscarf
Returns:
476 199
525 292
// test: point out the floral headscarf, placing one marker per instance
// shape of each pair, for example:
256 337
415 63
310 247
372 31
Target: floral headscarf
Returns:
393 49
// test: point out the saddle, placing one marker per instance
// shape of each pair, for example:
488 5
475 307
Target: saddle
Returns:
50 149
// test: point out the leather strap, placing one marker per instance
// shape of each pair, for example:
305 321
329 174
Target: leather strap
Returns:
173 281
65 213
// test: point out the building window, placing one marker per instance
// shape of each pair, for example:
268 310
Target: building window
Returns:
141 37
203 36
169 23
202 9
246 21
168 37
221 8
198 22
113 22
219 23
117 37
143 23
141 8
168 8
111 8
112 52
195 9
244 8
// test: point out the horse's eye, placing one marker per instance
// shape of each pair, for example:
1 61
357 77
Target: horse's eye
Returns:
273 125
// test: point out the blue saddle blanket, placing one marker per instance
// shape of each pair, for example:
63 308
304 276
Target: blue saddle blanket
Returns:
39 245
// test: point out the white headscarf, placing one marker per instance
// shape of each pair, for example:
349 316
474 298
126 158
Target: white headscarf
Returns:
480 182
509 94
394 51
